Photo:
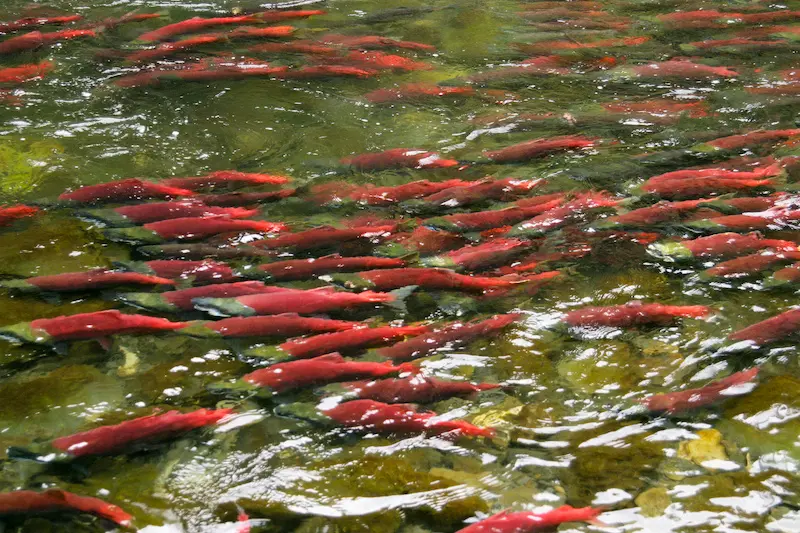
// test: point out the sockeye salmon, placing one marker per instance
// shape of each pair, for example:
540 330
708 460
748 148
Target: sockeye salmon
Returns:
685 400
304 302
181 300
372 416
291 375
57 500
634 313
414 389
85 326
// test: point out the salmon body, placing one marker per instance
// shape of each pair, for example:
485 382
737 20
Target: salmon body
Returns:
284 325
455 334
372 416
753 138
379 61
225 178
84 326
749 264
416 91
658 213
195 228
157 211
14 212
194 25
31 22
771 329
685 400
721 245
529 522
112 439
245 198
352 339
205 271
25 73
175 301
384 196
414 389
484 220
633 313
304 302
327 368
56 500
80 281
425 278
326 236
538 148
562 215
502 190
298 269
123 191
493 253
373 42
681 69
35 39
398 158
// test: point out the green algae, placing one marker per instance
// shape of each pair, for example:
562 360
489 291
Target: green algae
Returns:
23 166
600 468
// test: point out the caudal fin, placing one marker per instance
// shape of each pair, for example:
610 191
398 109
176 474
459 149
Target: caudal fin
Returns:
400 296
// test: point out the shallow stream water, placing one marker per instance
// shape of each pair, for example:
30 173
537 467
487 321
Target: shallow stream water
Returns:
568 430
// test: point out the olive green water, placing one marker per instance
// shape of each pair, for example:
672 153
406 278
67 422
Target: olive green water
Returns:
562 439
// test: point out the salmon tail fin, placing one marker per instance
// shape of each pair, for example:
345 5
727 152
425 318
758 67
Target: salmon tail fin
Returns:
409 367
23 454
400 297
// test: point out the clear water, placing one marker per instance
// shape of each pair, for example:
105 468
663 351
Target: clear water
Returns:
564 440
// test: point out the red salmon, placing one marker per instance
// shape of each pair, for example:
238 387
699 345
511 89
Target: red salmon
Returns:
398 158
327 368
414 389
36 39
98 278
181 300
484 256
373 42
749 264
245 198
685 400
530 522
505 189
771 329
283 325
349 340
563 214
225 178
483 220
25 73
538 148
123 191
11 213
416 91
326 236
299 269
30 22
454 334
721 245
113 439
305 302
425 278
634 313
57 500
369 415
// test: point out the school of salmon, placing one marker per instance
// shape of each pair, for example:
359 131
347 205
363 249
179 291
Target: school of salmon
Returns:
328 307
